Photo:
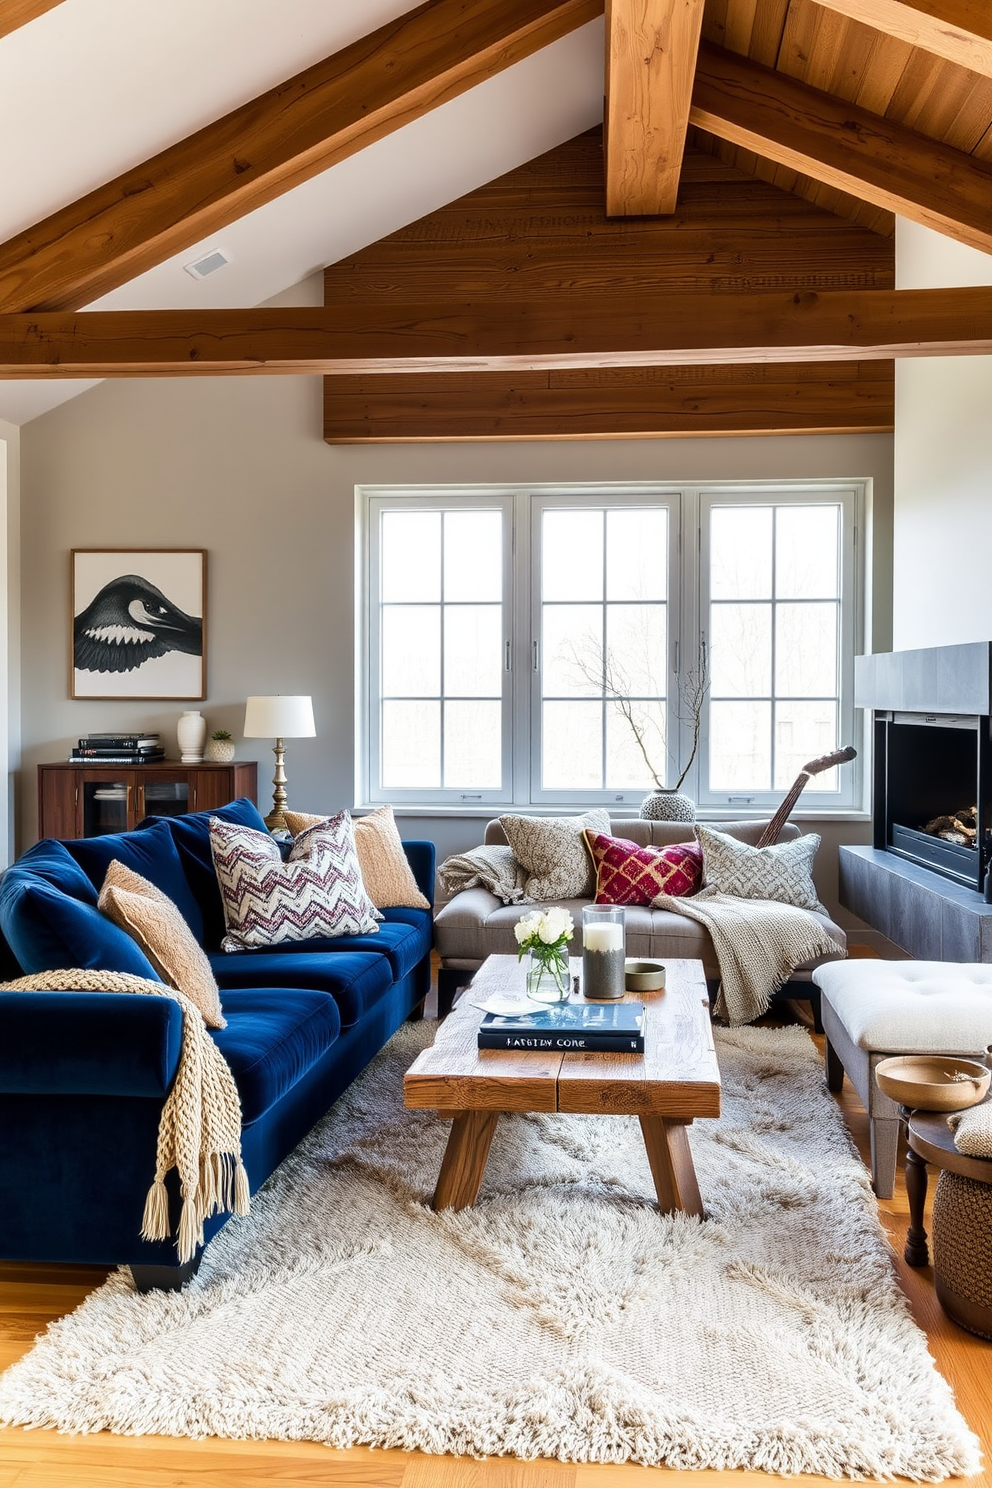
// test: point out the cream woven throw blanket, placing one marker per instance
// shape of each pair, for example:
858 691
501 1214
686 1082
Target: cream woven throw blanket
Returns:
973 1130
758 945
199 1133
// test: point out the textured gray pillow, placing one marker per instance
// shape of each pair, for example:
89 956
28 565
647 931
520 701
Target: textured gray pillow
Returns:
783 872
552 852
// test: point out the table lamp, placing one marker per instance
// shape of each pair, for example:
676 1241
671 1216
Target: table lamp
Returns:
279 718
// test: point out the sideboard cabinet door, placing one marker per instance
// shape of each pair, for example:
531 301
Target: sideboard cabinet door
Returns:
90 800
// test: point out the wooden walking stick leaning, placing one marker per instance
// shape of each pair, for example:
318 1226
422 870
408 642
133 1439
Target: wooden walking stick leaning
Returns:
815 767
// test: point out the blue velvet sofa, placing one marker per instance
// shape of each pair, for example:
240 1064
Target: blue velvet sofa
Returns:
83 1074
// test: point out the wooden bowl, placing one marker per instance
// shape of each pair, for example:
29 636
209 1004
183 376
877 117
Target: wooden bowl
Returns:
933 1082
644 976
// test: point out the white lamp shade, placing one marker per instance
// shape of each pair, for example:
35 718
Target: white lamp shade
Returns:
279 718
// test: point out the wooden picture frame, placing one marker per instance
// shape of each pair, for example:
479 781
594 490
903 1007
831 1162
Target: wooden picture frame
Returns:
138 619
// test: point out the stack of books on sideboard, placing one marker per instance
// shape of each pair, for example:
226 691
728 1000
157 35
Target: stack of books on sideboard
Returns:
117 749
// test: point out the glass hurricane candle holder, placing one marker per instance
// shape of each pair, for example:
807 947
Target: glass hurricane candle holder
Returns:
602 951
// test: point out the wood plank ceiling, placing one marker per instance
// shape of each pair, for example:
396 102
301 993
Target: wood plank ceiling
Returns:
576 296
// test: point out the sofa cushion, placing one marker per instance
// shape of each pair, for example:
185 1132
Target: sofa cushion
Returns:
475 925
47 930
628 874
191 834
783 872
386 873
316 892
402 939
273 1036
51 862
552 851
151 852
151 919
355 980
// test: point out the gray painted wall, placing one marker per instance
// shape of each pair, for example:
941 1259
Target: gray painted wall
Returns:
238 466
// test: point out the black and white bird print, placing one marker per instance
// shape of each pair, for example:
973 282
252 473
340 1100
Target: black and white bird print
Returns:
128 623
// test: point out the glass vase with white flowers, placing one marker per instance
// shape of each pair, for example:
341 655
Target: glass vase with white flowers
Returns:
545 933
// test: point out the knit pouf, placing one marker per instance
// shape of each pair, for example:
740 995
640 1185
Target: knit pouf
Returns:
668 805
962 1251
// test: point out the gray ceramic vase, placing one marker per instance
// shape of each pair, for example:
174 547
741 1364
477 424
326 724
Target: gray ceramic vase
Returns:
668 805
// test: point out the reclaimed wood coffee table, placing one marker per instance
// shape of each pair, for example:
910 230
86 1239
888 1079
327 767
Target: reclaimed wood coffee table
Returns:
676 1079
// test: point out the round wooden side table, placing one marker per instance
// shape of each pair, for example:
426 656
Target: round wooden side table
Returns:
962 1221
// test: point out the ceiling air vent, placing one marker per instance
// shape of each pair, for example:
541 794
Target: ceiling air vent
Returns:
208 264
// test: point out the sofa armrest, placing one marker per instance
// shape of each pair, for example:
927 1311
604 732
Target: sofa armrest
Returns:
422 857
88 1043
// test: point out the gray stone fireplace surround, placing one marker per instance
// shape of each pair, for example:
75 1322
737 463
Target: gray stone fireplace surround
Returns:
932 755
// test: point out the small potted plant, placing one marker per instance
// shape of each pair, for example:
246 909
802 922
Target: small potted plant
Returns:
545 934
220 747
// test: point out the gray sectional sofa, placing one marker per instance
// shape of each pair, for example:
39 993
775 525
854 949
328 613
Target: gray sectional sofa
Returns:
474 924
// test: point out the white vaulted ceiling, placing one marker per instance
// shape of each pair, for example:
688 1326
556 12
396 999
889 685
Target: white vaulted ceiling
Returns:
96 86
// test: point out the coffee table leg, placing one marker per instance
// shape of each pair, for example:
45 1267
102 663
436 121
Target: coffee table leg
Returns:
667 1144
464 1160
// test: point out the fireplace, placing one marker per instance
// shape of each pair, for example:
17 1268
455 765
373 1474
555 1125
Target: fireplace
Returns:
932 758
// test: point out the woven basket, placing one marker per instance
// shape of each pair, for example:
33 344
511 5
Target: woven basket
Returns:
962 1251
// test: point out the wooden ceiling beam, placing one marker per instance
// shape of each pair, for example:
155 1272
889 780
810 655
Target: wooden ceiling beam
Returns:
871 157
960 31
612 403
651 48
626 330
267 146
17 13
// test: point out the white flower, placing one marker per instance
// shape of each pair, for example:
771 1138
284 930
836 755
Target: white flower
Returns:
526 927
556 924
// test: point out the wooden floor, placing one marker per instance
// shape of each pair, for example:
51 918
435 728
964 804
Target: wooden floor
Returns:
31 1296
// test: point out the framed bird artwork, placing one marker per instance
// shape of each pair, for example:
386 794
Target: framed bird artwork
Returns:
139 623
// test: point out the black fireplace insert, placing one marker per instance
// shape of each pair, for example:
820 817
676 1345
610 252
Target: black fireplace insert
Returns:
932 767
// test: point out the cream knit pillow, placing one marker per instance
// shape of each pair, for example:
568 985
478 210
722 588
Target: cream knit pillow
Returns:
151 918
386 872
783 872
552 851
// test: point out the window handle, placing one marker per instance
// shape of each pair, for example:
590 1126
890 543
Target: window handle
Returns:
536 661
471 798
506 657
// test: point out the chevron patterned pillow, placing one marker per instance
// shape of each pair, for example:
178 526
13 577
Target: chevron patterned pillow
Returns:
318 891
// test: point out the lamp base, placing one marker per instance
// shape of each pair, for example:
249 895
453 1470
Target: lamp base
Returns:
276 821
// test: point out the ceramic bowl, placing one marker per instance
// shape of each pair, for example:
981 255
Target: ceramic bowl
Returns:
933 1082
644 976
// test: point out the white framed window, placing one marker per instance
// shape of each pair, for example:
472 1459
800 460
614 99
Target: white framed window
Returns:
604 591
438 666
537 645
778 604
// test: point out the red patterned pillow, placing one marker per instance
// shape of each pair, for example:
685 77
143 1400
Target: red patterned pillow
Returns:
628 874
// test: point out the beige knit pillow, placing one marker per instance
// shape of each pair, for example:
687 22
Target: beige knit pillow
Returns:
151 918
552 851
783 872
386 872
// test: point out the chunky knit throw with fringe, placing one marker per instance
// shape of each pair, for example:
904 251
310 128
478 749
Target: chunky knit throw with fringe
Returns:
199 1133
758 943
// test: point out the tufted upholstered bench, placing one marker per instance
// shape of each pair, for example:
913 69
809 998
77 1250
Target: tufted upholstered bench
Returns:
872 1009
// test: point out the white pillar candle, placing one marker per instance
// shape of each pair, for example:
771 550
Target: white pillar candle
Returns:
602 937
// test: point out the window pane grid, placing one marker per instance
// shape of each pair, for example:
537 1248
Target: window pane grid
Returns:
596 643
763 710
439 737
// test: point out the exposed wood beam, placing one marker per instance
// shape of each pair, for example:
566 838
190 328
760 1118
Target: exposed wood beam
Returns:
257 152
17 13
958 30
650 61
845 146
565 331
627 402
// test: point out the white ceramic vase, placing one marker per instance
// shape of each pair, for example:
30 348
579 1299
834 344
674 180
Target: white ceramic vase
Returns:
191 733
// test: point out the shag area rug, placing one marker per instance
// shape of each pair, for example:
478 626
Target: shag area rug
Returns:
560 1317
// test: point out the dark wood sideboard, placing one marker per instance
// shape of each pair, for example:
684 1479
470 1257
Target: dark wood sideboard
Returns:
89 800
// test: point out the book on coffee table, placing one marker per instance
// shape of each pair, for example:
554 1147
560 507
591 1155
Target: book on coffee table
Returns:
612 1028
